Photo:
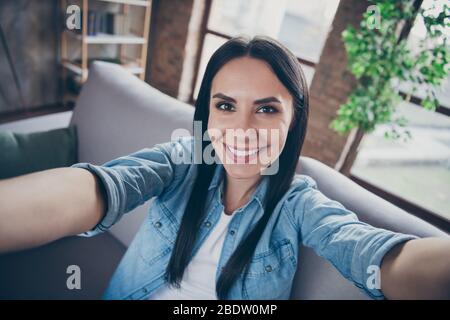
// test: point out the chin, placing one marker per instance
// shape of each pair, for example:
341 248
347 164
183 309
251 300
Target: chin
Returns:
242 171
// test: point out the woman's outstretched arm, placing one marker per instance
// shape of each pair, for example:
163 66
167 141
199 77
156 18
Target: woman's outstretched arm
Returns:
383 263
417 269
40 207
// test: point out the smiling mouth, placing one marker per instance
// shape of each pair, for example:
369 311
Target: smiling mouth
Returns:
242 155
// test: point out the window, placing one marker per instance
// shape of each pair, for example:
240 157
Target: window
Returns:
418 32
301 25
418 170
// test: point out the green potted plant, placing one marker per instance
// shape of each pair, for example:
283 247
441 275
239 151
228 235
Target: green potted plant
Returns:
381 60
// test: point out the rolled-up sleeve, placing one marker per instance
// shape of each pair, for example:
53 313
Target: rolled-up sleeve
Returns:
355 248
131 180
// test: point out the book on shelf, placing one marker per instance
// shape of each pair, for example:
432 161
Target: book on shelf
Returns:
100 22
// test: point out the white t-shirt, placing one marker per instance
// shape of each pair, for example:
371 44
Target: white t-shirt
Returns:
199 278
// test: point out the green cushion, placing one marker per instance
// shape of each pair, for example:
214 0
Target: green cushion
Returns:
22 153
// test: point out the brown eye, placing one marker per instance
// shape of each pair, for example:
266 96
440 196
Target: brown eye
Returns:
267 109
224 106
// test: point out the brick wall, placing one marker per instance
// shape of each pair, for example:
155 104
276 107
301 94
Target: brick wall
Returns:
169 31
330 87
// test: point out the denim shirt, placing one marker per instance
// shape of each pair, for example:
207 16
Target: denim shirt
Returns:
303 216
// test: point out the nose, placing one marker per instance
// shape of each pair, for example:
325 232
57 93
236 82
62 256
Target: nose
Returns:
243 122
244 131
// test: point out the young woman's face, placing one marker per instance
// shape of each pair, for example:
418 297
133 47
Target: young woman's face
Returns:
250 113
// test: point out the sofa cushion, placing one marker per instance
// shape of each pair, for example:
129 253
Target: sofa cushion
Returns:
22 153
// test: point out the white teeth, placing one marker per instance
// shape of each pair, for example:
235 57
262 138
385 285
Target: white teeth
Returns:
242 153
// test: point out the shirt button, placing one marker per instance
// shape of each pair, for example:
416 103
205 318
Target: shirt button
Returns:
268 268
208 224
145 290
232 232
158 224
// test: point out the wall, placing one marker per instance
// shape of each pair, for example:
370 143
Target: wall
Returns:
169 32
29 28
330 87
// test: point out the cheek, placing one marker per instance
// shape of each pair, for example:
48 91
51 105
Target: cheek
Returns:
283 138
278 135
216 131
280 129
221 120
278 139
213 119
215 126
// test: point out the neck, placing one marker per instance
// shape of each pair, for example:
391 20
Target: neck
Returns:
237 192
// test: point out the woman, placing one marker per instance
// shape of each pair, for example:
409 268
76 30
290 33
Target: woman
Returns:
229 213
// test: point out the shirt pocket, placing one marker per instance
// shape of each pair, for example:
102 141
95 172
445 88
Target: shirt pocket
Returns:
271 272
159 234
163 223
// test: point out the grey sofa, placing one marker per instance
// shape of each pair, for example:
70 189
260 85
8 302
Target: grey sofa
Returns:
117 114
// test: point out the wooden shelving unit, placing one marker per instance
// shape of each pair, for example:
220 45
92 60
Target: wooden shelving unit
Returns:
135 65
143 3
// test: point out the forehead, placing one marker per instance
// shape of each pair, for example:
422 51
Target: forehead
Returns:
248 77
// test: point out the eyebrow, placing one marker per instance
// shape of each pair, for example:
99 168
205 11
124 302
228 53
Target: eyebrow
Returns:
259 101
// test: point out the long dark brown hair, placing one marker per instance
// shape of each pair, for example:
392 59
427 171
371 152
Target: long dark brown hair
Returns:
287 69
